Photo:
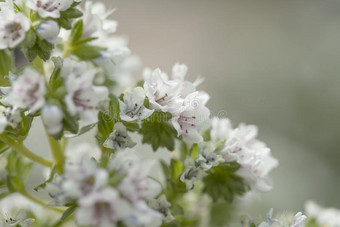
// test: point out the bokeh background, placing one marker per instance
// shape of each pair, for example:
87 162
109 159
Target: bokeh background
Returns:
273 63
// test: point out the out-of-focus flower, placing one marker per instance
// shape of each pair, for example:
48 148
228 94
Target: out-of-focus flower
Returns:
220 129
49 30
136 185
9 116
102 208
163 206
132 107
299 220
207 157
82 96
242 146
13 28
194 116
191 173
28 91
324 216
96 22
142 215
49 8
119 138
52 117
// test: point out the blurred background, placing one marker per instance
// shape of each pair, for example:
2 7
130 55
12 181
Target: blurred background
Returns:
273 63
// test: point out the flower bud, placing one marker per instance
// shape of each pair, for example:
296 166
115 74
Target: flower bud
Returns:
52 117
49 31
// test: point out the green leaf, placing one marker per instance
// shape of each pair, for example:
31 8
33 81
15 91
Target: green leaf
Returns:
56 81
64 23
50 179
68 212
158 132
71 13
81 131
70 123
222 183
30 39
220 214
76 32
6 65
86 52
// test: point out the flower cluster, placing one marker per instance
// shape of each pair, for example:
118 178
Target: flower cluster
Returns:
78 76
107 196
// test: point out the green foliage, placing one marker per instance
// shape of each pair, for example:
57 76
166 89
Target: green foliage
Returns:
311 222
174 188
6 65
79 46
21 131
34 46
107 120
18 169
50 179
222 182
66 17
219 215
157 131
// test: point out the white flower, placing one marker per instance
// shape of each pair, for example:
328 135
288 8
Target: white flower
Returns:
142 215
28 91
191 173
193 117
136 185
82 96
163 206
132 108
49 8
119 138
207 157
299 220
49 30
163 94
52 117
95 20
13 28
83 178
242 146
101 209
9 116
16 219
220 129
324 216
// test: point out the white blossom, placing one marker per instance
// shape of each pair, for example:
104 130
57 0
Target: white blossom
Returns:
324 216
136 185
13 28
142 215
9 116
28 91
163 206
242 146
299 220
49 30
163 94
16 219
52 117
132 107
83 178
49 8
220 129
119 138
193 117
96 22
207 157
102 208
191 173
82 96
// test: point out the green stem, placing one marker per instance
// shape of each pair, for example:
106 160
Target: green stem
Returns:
58 153
38 201
20 147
